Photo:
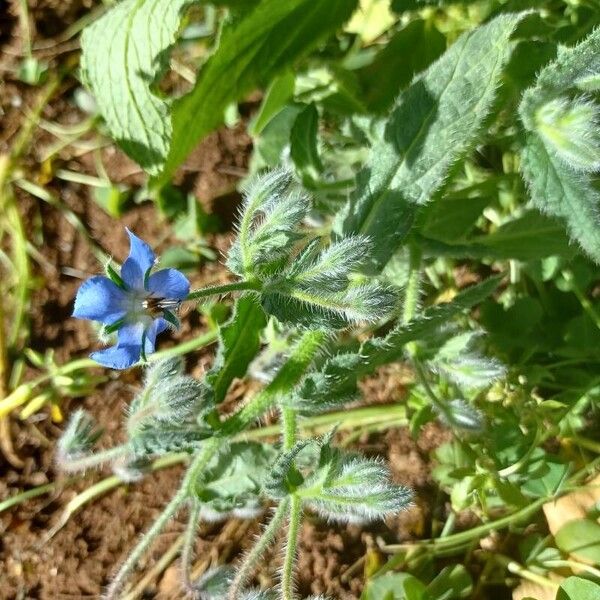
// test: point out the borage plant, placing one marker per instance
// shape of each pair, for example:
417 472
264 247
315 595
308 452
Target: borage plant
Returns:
311 290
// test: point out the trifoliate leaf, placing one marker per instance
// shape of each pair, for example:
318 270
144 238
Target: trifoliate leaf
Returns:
437 120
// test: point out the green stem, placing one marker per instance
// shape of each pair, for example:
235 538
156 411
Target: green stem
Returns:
514 567
476 532
413 285
87 363
187 553
439 405
384 414
587 306
287 573
259 548
288 425
152 574
287 377
32 493
93 460
186 490
167 514
288 417
217 290
199 342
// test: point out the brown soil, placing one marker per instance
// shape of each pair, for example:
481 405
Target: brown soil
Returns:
78 561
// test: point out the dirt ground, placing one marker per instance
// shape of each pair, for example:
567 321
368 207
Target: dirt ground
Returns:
79 559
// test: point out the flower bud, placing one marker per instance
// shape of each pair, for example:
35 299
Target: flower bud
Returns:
570 128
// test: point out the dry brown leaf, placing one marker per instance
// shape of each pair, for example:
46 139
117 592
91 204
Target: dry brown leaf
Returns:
572 506
529 589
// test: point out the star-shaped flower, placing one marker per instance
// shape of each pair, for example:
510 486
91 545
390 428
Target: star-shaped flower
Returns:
136 304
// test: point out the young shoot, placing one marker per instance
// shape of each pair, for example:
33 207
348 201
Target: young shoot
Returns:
309 289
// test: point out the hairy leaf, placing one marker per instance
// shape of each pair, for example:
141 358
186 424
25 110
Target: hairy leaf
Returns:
303 143
322 308
273 207
266 40
460 414
460 361
124 54
335 382
349 488
556 189
240 341
78 438
562 144
230 485
437 120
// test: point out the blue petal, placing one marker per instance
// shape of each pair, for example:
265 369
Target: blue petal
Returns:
128 350
169 283
99 299
140 259
158 326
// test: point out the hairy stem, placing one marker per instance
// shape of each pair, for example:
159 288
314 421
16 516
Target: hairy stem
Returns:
287 377
287 573
288 417
438 404
413 285
92 460
411 304
187 553
217 290
265 540
87 363
133 558
185 491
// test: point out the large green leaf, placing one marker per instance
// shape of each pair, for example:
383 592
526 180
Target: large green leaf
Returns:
240 341
557 132
232 480
577 588
126 51
124 54
264 42
395 586
436 121
581 538
528 237
336 380
558 190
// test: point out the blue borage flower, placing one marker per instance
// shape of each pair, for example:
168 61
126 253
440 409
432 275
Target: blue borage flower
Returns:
136 304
